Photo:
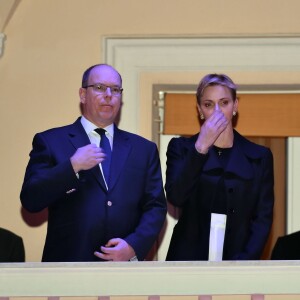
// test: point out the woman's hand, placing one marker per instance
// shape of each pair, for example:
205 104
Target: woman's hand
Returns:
210 131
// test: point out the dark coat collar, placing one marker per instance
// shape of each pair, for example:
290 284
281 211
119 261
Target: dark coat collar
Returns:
243 151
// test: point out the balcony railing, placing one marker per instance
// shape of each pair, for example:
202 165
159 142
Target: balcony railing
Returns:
152 280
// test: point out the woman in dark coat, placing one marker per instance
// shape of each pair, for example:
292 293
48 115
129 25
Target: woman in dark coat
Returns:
222 182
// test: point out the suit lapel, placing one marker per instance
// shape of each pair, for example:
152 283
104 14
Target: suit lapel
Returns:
121 150
77 135
79 138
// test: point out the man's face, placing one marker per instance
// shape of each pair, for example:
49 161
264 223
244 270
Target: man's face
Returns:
101 108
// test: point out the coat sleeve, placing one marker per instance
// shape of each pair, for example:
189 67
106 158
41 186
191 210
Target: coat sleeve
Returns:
278 250
184 164
262 217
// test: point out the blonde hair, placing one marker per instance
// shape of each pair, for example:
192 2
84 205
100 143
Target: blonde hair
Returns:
215 79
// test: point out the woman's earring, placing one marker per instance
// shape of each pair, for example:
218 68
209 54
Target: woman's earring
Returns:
234 113
201 116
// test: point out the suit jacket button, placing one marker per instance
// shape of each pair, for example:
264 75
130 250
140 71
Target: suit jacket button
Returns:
109 203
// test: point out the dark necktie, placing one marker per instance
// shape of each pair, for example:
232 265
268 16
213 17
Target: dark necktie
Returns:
105 145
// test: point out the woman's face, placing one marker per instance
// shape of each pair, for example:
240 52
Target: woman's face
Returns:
217 97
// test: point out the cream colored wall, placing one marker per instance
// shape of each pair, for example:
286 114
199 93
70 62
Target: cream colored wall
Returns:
49 44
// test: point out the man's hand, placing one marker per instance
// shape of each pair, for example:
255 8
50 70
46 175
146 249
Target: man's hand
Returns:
210 131
87 157
116 250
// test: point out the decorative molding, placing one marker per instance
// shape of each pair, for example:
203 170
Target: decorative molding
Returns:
133 56
7 10
2 39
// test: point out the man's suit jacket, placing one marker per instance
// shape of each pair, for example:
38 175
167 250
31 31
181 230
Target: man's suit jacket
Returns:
287 247
192 181
11 247
83 215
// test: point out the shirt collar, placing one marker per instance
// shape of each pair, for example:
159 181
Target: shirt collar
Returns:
89 127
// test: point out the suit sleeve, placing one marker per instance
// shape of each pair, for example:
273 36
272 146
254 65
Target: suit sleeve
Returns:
153 209
45 181
184 164
18 251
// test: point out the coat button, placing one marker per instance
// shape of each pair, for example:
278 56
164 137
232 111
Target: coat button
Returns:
109 203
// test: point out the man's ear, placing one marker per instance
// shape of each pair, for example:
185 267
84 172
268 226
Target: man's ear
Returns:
82 94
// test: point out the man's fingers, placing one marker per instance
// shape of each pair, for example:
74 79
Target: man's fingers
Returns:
103 256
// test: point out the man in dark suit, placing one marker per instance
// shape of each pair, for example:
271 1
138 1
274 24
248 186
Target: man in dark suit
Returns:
94 215
287 247
11 247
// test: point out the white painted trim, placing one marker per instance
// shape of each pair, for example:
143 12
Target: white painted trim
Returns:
149 278
135 55
293 185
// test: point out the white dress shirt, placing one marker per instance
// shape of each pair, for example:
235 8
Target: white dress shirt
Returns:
95 138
